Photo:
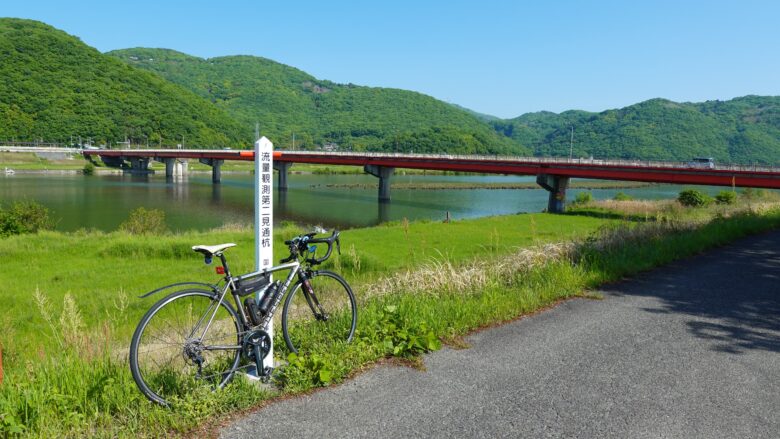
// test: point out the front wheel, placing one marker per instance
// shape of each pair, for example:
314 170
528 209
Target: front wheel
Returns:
320 314
172 353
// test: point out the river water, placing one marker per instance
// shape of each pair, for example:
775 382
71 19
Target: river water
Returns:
193 202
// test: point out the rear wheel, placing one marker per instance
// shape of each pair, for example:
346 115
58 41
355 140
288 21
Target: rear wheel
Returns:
169 354
320 317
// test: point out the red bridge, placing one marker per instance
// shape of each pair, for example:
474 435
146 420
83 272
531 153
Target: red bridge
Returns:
552 174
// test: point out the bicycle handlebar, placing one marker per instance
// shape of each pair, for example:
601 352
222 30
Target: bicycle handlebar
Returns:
300 244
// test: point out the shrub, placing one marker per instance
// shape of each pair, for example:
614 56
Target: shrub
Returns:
89 169
693 198
24 217
583 198
726 197
144 221
622 196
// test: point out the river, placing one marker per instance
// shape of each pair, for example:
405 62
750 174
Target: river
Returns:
104 201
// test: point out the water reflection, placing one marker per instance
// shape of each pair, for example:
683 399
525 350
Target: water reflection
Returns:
216 194
384 212
280 207
344 201
138 178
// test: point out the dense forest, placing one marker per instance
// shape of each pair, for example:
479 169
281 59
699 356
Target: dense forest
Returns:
56 88
741 130
287 101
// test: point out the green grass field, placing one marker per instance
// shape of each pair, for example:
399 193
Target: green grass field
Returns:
100 270
71 305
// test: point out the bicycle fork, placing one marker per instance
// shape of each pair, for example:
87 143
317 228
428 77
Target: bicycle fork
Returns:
311 300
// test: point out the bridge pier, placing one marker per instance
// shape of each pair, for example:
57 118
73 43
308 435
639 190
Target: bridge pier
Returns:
383 173
139 165
174 167
216 168
170 165
283 168
180 168
556 185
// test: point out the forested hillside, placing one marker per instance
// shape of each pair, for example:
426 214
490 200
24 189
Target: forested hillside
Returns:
741 130
287 101
55 87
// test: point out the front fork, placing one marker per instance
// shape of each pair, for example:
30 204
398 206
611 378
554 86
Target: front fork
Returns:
311 298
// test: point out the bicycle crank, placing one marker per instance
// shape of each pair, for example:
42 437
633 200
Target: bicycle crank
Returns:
257 344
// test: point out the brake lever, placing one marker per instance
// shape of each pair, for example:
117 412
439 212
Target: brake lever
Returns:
338 245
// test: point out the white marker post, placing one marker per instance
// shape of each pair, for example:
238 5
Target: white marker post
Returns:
264 218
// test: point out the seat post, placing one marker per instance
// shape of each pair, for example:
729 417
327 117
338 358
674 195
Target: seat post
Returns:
224 264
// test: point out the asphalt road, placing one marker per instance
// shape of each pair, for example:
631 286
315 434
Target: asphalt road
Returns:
691 350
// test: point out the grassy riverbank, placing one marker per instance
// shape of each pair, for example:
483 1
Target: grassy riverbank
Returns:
28 161
417 283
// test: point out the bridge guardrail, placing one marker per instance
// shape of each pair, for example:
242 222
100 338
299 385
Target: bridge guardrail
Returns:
502 158
547 160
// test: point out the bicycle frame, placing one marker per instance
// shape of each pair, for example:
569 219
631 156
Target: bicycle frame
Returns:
293 267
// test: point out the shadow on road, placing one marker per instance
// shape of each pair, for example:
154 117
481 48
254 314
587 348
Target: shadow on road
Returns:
732 295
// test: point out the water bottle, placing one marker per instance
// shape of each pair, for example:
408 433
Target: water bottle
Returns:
268 298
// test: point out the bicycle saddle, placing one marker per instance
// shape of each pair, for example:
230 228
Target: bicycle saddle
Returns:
210 250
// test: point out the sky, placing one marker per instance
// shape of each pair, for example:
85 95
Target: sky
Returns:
499 57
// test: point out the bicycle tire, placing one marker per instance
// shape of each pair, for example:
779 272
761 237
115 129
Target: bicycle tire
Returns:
301 327
159 360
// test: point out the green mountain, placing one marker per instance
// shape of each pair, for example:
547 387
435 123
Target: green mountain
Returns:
481 116
287 101
55 87
741 130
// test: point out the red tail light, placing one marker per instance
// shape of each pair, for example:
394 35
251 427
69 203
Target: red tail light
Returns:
220 270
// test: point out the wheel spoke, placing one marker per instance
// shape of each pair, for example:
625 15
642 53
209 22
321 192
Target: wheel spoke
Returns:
167 349
321 319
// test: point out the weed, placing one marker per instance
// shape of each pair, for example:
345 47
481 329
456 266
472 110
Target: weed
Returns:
726 197
144 221
583 198
354 259
71 324
311 369
46 312
399 337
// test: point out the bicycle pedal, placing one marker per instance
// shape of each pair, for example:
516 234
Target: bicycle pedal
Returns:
266 375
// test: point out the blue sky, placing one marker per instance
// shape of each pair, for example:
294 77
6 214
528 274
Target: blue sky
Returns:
499 57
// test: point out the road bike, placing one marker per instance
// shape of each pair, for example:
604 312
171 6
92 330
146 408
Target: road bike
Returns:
195 336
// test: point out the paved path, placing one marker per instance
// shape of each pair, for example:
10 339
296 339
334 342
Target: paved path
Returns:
687 351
